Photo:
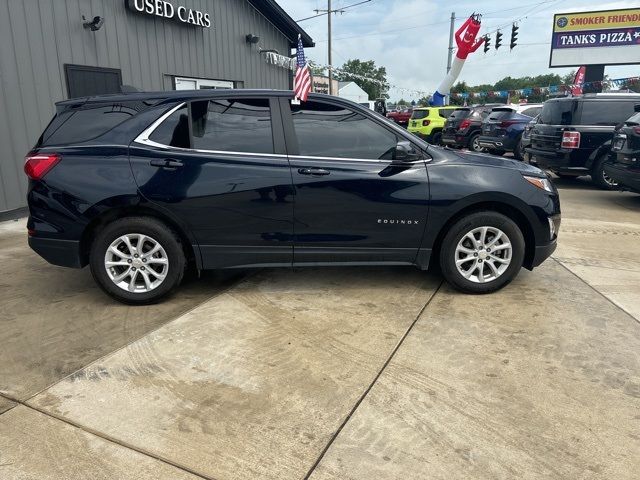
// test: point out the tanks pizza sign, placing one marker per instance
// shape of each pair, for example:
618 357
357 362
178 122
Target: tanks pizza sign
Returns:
167 10
607 37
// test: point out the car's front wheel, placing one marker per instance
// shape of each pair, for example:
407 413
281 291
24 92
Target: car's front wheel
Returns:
482 252
137 260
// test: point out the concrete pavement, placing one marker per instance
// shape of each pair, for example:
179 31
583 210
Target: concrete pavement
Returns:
333 373
55 320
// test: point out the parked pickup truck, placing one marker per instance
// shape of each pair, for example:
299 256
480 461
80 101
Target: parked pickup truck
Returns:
401 117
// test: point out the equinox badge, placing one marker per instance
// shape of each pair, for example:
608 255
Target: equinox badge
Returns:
398 222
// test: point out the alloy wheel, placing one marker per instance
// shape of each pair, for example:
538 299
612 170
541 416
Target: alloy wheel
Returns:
475 146
136 263
483 254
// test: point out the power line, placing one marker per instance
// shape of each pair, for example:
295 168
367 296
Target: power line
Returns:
337 10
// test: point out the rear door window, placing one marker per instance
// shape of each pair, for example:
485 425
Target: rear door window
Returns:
174 131
232 125
445 112
605 112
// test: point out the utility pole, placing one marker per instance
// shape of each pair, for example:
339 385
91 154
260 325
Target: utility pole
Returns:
329 44
329 11
450 54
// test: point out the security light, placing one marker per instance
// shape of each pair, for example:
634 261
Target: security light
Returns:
251 38
95 24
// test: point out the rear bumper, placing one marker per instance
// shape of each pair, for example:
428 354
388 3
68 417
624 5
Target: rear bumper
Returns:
497 143
625 175
455 140
559 161
64 253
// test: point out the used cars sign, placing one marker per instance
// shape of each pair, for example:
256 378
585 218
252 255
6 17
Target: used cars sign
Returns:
596 38
164 9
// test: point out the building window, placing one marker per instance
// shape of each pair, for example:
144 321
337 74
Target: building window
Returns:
184 83
83 81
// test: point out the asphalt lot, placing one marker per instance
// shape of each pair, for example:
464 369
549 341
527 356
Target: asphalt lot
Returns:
337 373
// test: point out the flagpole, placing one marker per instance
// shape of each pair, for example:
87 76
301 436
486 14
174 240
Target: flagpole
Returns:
329 52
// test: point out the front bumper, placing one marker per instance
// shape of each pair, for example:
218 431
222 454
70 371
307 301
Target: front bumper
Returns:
541 253
64 253
626 175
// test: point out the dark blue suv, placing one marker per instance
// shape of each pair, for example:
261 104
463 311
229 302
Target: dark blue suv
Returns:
502 130
141 186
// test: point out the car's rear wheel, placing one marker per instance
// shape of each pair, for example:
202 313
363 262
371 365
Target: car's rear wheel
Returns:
474 145
137 260
519 152
482 252
436 139
602 178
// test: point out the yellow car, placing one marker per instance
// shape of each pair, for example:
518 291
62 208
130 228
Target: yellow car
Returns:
428 122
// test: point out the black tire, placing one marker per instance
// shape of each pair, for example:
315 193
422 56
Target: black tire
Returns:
519 152
436 139
599 176
457 231
158 232
473 144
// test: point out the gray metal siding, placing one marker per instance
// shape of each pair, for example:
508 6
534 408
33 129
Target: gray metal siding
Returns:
37 37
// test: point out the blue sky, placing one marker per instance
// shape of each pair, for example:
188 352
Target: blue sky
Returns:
410 37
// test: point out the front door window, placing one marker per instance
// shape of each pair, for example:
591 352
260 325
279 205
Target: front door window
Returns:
325 130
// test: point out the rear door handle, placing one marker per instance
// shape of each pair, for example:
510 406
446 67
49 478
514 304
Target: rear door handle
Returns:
166 163
313 171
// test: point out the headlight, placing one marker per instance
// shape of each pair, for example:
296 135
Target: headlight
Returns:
542 183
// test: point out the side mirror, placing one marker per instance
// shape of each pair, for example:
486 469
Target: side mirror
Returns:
636 107
405 153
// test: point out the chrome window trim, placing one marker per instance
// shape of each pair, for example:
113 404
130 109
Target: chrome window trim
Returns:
143 139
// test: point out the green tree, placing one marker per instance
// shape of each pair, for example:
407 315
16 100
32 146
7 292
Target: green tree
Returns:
402 102
317 70
375 89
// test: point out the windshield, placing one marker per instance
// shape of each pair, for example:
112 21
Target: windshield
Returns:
558 112
635 120
500 114
418 114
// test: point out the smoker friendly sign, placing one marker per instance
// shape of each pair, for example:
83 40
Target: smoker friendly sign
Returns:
608 37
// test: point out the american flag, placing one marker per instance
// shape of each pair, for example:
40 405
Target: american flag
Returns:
302 80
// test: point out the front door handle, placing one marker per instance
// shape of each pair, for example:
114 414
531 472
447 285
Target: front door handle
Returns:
313 171
166 163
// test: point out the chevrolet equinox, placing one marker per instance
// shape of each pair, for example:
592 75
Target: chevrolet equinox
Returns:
139 186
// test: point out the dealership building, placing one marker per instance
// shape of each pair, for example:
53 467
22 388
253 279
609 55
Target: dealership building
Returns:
55 50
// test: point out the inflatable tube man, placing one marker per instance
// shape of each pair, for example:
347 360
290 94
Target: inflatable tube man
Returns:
467 43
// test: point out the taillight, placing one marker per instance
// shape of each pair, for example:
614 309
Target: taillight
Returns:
465 124
425 123
636 130
570 140
507 123
37 166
